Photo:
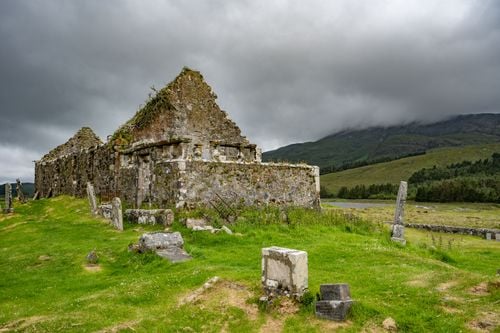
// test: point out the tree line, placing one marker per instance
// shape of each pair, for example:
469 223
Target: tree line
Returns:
467 181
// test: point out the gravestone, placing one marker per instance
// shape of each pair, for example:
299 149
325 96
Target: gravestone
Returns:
284 271
335 301
8 199
398 228
168 245
116 215
19 190
488 236
497 237
92 198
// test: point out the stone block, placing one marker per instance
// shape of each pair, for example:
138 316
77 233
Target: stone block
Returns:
333 310
166 245
397 234
335 301
150 216
284 271
191 223
497 237
105 210
160 240
335 292
488 236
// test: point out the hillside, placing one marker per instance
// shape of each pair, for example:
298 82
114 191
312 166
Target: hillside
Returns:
402 169
378 143
48 287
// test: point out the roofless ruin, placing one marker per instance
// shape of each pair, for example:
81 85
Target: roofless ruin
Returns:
179 150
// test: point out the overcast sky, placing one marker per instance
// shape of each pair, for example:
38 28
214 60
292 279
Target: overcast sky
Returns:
285 71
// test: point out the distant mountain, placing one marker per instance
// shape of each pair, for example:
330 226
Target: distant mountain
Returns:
375 144
28 189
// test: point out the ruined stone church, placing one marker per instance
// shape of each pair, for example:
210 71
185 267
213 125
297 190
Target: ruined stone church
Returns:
179 150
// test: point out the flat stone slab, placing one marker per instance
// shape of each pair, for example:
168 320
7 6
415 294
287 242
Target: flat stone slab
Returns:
174 254
168 245
160 240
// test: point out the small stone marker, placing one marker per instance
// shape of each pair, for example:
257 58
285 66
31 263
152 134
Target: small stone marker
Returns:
168 245
19 190
92 199
105 210
488 236
92 258
116 215
284 271
8 199
497 237
398 228
36 196
335 301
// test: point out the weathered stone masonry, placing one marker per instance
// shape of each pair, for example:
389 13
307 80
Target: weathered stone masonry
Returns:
179 150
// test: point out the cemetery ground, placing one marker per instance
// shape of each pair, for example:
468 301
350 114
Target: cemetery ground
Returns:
427 286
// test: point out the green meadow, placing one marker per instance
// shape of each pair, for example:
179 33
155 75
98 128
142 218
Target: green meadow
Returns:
46 285
395 171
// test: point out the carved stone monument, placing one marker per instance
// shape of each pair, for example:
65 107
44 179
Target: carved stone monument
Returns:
335 301
284 271
398 228
8 199
116 216
92 199
19 190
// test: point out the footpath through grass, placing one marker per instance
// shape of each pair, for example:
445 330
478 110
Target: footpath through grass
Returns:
45 286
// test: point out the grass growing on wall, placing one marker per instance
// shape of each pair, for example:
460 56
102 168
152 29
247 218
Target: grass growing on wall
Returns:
46 287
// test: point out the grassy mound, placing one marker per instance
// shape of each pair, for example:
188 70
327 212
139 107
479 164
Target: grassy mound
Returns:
46 285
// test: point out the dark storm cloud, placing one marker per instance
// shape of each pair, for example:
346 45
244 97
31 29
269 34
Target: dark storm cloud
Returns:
286 71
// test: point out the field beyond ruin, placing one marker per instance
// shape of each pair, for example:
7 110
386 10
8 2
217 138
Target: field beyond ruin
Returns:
438 282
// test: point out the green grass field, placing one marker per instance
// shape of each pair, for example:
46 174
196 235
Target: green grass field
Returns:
46 286
395 171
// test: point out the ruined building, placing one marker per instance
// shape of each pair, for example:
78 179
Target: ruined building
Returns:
179 150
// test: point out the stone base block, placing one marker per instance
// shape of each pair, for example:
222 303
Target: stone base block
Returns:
333 310
399 240
284 271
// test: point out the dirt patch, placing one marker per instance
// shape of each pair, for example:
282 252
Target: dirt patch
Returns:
23 323
272 325
480 290
92 268
223 294
119 327
287 307
487 322
446 285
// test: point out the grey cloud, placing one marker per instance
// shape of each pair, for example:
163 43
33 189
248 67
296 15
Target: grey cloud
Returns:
285 71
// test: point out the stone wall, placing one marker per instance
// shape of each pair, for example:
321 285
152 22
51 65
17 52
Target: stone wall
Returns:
249 183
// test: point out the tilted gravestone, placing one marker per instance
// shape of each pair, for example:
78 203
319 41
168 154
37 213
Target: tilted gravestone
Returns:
8 199
92 198
19 190
398 228
335 301
284 271
116 216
